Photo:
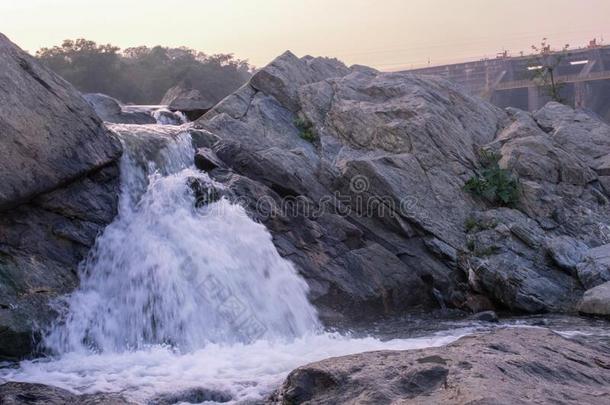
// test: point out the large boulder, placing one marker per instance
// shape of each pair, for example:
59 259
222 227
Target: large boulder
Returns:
377 164
50 135
59 188
596 301
507 366
369 204
191 102
595 268
110 110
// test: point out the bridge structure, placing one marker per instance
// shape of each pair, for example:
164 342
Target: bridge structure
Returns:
583 75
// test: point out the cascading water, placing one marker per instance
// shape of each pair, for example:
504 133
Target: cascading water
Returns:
166 272
173 296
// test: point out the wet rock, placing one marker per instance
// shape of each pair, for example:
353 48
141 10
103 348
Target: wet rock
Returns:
15 393
110 110
191 396
204 193
595 268
537 364
206 160
596 301
485 316
59 188
164 116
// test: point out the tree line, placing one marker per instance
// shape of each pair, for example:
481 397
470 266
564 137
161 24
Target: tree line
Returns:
142 75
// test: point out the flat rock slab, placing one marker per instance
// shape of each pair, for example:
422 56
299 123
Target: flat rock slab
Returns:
15 393
508 366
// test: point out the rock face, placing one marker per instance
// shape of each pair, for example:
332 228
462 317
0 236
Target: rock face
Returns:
50 135
596 301
595 267
360 177
59 188
14 393
110 110
508 366
188 101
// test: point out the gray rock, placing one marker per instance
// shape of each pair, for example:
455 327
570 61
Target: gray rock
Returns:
577 132
566 252
595 268
50 135
191 102
206 160
596 301
282 78
111 110
16 393
485 316
507 366
392 154
60 183
507 264
191 396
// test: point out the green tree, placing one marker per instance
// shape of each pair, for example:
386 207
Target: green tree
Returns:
142 75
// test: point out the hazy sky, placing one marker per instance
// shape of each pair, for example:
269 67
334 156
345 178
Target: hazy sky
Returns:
387 34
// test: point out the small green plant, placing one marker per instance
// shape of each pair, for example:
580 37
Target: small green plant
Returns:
471 224
494 184
306 130
470 245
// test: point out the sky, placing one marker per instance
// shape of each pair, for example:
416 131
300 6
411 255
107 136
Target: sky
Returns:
385 34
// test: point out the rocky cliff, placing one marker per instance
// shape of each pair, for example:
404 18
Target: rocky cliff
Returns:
360 175
59 182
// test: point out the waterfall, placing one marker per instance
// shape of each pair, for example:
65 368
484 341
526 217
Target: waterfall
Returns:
167 272
175 297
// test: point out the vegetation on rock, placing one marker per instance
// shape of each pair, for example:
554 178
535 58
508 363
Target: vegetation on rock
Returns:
494 184
306 130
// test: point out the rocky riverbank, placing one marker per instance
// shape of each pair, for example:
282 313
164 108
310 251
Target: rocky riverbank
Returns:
379 164
506 366
390 193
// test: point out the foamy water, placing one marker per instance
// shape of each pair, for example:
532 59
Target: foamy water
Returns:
249 371
176 296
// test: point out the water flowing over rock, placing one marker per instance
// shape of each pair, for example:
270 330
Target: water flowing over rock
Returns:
170 271
508 366
111 110
58 189
190 102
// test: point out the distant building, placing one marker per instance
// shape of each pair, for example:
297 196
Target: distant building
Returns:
509 81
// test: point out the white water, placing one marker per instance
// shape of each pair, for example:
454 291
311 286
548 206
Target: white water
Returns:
175 296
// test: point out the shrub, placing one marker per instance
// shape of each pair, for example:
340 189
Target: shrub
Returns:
494 184
306 130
